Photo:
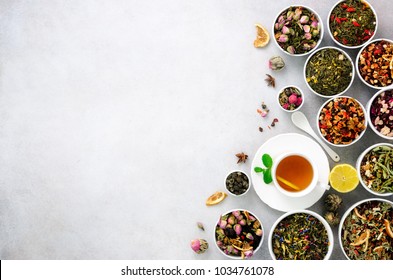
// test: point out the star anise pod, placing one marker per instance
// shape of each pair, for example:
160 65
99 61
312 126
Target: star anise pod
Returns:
271 82
242 157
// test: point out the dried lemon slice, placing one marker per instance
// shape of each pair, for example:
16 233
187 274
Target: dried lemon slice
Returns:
215 198
263 36
343 178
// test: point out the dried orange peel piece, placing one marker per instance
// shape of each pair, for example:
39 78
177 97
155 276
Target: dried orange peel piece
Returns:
388 228
263 36
216 198
363 238
358 214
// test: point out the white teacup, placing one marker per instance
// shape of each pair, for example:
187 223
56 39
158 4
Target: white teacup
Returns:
293 188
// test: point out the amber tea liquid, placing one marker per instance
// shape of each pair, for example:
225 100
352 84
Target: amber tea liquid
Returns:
296 170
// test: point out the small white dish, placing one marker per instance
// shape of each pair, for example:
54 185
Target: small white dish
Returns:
301 96
312 213
358 168
284 143
248 178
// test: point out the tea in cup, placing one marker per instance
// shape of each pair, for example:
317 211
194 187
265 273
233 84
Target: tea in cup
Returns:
294 174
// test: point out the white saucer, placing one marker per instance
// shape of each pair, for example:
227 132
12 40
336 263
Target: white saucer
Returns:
283 143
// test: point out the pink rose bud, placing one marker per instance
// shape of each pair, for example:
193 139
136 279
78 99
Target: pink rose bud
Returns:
308 36
292 99
314 24
291 49
299 101
285 30
304 19
283 38
306 28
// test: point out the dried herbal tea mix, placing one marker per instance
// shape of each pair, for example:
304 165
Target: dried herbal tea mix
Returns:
342 120
376 169
376 63
237 183
352 22
300 236
297 30
238 234
367 232
381 113
329 71
290 98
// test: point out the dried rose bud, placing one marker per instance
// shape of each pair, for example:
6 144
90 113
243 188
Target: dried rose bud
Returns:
291 49
258 232
285 30
306 28
248 254
231 220
199 245
304 19
249 236
238 229
200 225
293 99
283 38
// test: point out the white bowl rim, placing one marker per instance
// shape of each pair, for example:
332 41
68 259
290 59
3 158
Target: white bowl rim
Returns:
357 63
249 182
321 31
316 215
352 78
340 226
301 94
361 134
358 163
369 104
229 211
352 47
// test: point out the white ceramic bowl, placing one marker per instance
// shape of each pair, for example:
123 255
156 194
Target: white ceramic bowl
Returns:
358 59
242 211
248 178
353 141
301 95
339 93
358 165
345 46
369 104
319 217
340 227
320 24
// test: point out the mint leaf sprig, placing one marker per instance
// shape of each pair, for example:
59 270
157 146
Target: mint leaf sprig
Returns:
267 172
